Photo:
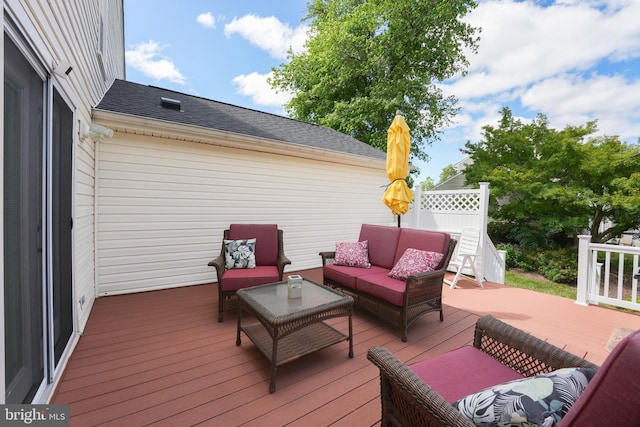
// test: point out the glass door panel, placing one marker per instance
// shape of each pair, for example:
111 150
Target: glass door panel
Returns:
23 240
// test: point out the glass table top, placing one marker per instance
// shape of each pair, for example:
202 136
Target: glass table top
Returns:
275 297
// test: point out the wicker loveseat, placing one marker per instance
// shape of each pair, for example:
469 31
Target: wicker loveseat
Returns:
399 301
422 393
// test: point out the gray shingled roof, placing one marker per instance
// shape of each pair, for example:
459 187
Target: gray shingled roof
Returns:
144 101
456 182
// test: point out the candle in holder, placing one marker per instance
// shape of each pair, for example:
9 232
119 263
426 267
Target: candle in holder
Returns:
295 286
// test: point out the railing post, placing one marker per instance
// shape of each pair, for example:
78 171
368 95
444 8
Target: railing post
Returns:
584 263
483 220
503 257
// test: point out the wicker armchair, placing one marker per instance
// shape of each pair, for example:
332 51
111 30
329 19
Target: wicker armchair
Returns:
408 401
270 263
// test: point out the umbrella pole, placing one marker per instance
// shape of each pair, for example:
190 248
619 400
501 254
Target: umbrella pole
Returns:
398 220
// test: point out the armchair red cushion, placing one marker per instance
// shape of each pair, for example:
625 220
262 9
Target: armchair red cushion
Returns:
266 236
612 397
235 279
462 371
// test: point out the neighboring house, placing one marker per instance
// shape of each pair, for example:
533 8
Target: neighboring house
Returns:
86 215
456 182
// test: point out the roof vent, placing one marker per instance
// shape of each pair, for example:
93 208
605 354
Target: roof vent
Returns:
171 104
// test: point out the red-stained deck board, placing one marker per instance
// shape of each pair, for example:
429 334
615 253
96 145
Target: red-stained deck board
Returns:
161 358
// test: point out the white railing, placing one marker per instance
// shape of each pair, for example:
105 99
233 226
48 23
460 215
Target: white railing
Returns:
600 281
453 210
495 261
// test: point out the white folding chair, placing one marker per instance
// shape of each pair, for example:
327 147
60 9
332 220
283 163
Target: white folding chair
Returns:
466 255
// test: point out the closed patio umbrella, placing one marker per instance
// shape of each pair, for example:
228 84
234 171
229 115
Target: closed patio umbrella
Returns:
398 195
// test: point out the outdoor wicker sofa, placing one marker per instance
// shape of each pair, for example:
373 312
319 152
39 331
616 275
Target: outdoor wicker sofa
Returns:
421 394
399 301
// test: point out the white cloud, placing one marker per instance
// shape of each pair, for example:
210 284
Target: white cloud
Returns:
571 99
256 87
522 43
269 34
206 20
546 58
146 58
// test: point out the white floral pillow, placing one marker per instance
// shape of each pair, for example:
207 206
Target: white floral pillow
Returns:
535 401
240 253
415 261
352 254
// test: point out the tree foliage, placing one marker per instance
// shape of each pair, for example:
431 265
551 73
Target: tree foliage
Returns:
427 184
551 182
365 60
447 173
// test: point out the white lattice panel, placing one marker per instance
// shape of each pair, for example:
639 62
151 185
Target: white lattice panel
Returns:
457 202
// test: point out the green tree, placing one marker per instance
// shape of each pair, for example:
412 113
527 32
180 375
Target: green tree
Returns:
448 172
367 59
427 184
551 182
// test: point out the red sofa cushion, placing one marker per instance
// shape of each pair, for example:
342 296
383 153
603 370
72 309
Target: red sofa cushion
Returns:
383 241
382 286
235 278
421 239
347 276
463 371
612 397
266 236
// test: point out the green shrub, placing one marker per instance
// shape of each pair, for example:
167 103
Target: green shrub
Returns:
499 231
558 265
516 257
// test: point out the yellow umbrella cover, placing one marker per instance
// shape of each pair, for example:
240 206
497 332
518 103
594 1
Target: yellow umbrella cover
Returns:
398 194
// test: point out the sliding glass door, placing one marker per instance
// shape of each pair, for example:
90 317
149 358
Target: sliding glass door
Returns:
37 197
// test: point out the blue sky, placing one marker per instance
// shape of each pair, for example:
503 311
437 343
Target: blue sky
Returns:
572 60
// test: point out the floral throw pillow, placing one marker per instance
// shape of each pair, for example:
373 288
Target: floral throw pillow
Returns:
240 253
352 254
535 401
415 261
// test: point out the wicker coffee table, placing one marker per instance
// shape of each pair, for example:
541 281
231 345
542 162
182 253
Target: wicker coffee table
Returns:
289 328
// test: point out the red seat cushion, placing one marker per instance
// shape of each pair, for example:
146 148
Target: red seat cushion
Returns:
235 279
461 372
382 286
347 276
612 397
266 236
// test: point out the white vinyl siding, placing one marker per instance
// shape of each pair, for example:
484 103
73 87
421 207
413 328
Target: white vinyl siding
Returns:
163 206
84 230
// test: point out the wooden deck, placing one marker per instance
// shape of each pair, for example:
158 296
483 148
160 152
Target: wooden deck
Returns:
161 358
